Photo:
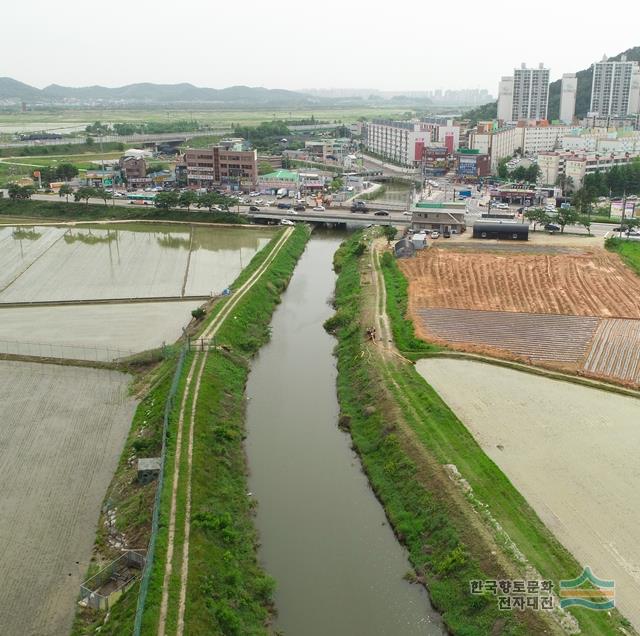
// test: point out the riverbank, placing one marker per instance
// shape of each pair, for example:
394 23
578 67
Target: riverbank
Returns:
458 515
78 211
226 591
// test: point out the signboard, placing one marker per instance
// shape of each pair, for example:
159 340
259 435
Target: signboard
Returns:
467 166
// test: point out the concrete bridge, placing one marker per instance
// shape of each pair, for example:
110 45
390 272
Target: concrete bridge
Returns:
331 215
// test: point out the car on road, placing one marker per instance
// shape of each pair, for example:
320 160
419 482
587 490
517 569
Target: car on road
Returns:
381 213
284 206
435 234
254 208
300 207
550 227
319 208
286 222
407 213
501 206
259 201
620 228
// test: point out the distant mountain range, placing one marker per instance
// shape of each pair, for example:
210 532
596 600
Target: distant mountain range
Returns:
583 94
146 93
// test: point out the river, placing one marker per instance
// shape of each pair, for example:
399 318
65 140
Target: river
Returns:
324 536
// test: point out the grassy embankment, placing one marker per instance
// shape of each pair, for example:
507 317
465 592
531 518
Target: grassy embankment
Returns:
629 251
72 211
227 592
387 403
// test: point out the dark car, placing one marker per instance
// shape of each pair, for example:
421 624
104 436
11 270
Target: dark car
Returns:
253 208
446 234
300 208
284 206
381 213
359 208
621 228
550 227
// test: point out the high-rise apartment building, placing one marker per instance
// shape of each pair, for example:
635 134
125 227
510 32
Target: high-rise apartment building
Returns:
530 92
615 88
525 95
568 91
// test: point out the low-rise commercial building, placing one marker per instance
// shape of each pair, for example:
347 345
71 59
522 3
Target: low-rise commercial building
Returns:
134 169
206 167
472 164
278 180
443 217
499 142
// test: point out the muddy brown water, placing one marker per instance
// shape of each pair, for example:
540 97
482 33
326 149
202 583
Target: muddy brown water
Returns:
324 536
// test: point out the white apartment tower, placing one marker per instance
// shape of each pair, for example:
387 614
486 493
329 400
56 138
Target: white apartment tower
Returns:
568 91
615 88
530 93
505 99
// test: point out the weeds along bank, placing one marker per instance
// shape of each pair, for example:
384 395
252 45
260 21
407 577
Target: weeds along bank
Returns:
227 592
72 211
408 440
629 251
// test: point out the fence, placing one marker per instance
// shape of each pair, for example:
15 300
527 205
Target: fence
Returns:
86 353
107 586
146 575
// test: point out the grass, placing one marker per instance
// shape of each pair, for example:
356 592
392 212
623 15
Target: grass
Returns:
227 591
61 149
62 211
442 546
629 251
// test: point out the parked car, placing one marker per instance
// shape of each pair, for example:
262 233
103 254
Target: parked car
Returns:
381 213
284 206
446 234
435 234
621 228
550 227
319 208
254 208
407 213
501 206
286 222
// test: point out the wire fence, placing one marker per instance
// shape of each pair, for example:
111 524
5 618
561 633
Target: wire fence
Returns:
146 575
91 353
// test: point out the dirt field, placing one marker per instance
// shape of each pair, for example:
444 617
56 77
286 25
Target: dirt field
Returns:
572 453
61 432
590 283
615 350
530 337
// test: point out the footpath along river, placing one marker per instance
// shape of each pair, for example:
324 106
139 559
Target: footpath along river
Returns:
324 536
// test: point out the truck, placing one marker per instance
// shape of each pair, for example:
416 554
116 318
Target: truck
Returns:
359 206
464 194
281 193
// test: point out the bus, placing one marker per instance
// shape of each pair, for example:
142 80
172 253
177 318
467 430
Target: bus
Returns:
142 198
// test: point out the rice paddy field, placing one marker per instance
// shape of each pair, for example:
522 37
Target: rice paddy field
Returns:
174 265
62 430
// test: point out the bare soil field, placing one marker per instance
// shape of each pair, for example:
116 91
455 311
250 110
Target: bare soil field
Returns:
570 450
615 350
529 337
62 430
592 283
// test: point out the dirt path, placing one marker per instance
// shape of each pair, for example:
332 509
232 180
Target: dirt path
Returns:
199 357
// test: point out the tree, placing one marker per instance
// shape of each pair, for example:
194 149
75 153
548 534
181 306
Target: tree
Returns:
65 190
567 216
84 193
503 170
208 200
18 192
66 171
536 216
101 193
585 221
389 232
187 199
166 200
89 141
264 167
336 184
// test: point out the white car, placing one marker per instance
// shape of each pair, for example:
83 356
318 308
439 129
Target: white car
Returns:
286 222
407 213
319 208
501 206
259 201
435 234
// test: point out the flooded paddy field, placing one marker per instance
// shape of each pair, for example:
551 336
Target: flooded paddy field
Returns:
62 430
119 263
570 450
123 261
92 332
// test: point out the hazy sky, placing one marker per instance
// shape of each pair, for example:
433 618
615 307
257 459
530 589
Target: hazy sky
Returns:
396 45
